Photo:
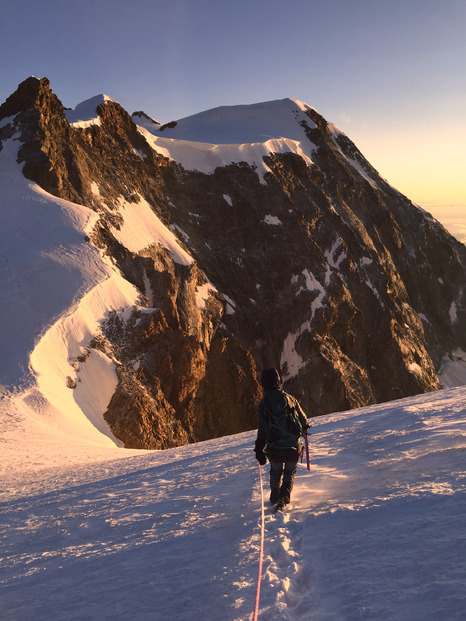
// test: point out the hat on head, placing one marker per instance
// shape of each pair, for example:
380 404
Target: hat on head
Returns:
270 379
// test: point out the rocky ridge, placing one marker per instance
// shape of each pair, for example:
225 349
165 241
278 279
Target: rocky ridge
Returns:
312 263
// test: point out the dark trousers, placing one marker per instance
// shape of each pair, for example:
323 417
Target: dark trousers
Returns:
282 475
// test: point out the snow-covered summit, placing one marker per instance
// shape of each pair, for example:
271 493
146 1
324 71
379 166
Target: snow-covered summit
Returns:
240 124
85 113
232 134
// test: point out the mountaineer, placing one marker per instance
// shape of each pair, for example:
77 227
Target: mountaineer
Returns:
281 423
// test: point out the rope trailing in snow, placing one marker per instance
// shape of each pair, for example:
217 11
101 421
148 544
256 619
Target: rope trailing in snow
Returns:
261 552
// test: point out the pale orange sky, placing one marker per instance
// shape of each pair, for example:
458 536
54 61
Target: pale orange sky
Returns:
427 164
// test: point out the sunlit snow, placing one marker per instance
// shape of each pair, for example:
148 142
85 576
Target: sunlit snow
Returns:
142 228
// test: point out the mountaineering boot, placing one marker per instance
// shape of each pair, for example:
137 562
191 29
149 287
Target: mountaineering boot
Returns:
280 505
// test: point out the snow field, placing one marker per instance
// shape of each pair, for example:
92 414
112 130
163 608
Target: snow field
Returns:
168 536
375 531
394 510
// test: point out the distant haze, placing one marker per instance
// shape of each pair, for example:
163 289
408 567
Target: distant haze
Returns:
453 218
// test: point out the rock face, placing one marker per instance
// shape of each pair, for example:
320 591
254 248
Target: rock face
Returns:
317 267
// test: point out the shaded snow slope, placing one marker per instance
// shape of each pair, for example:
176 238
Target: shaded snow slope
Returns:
453 370
376 530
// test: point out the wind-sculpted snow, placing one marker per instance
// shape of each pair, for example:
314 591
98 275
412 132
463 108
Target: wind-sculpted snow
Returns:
206 157
228 134
375 531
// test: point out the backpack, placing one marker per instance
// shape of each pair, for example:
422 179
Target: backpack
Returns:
284 426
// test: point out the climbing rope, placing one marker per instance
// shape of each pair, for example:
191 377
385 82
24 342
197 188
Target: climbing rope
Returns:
261 552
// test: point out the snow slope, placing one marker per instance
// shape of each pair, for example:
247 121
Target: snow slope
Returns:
243 123
376 530
232 134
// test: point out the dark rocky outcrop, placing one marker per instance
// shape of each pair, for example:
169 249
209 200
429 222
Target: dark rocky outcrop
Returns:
356 295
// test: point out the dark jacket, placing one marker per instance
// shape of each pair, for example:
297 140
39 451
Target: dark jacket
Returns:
280 443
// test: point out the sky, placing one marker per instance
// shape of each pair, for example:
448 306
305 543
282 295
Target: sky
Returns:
391 74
